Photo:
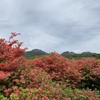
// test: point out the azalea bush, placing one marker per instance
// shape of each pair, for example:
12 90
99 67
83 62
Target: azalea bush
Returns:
10 53
59 68
50 77
90 73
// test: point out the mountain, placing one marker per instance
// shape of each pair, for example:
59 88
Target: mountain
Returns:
71 55
88 54
35 52
67 53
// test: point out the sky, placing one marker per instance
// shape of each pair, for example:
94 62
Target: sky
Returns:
53 25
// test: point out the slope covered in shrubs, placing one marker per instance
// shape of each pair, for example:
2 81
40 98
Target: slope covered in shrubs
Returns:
50 77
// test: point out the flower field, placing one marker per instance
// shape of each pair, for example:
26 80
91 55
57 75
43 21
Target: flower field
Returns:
50 77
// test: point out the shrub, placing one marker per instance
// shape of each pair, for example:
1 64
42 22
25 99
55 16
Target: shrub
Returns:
10 53
90 73
51 77
59 68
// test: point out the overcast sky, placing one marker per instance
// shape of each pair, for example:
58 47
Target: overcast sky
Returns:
53 25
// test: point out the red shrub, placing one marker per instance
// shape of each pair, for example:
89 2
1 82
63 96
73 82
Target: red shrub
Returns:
58 67
45 77
10 53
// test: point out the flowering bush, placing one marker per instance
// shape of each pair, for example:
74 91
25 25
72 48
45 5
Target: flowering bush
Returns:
90 73
59 68
10 53
51 77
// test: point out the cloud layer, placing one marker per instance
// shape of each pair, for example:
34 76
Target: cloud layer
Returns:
53 25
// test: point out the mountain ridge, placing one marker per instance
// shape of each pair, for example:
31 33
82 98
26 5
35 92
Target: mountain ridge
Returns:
68 54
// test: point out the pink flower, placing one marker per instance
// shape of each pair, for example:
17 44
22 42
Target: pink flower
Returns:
2 75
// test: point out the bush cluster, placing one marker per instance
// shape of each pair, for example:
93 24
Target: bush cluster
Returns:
50 77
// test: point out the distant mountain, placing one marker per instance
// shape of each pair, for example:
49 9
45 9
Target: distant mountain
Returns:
71 55
35 52
67 53
88 53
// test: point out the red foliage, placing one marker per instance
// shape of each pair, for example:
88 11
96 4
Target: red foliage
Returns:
58 67
10 53
82 64
45 75
96 71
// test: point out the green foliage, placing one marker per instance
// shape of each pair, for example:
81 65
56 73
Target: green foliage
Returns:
2 97
14 97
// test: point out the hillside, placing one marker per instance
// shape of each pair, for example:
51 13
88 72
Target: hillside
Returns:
71 55
34 52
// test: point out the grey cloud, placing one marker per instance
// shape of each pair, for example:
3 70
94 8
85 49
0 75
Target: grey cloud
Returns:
53 25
